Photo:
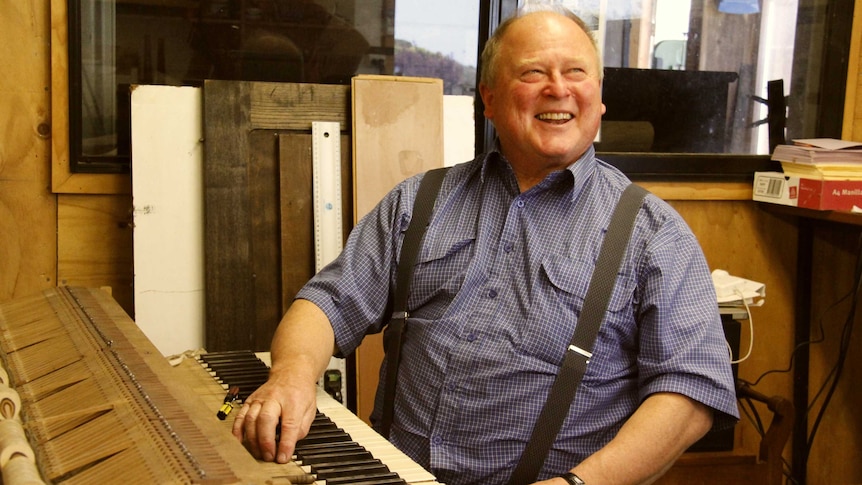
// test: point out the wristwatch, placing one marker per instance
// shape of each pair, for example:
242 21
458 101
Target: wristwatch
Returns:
572 479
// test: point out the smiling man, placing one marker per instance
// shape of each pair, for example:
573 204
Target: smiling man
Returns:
498 289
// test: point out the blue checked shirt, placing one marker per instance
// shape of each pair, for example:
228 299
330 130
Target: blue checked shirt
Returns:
498 287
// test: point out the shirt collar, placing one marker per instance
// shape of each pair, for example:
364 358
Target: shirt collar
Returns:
581 169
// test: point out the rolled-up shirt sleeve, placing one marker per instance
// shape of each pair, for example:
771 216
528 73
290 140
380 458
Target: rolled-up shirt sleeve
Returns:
682 344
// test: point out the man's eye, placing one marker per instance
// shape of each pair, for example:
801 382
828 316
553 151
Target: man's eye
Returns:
532 74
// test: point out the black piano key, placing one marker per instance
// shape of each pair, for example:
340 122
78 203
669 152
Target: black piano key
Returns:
317 447
358 471
383 479
322 438
333 467
348 456
320 427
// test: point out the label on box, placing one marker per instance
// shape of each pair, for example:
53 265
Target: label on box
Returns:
774 187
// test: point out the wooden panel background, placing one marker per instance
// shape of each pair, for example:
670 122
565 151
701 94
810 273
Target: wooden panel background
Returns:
244 124
95 249
28 211
837 447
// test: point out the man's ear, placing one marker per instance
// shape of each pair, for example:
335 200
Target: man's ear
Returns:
487 95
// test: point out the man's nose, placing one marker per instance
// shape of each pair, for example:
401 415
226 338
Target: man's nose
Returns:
557 86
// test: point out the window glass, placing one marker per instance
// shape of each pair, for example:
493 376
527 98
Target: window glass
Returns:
438 39
692 76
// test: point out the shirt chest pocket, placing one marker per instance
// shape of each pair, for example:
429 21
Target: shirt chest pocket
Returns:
440 271
559 292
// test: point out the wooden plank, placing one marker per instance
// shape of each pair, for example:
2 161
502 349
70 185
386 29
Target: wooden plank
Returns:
852 121
265 248
293 106
168 213
227 234
397 132
691 190
297 211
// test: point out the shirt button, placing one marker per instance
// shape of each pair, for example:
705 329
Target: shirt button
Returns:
508 247
437 440
471 337
519 203
450 387
492 293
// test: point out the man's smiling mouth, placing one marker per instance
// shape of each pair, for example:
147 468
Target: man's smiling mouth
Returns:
554 116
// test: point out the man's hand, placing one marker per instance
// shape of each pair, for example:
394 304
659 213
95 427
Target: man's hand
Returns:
275 408
287 403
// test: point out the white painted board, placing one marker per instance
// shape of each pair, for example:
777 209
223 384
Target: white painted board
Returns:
168 197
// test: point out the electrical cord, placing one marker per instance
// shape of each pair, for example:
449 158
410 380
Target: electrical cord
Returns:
750 329
802 345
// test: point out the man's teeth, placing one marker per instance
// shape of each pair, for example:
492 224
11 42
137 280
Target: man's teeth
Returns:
555 116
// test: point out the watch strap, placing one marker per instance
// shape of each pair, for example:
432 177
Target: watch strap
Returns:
572 479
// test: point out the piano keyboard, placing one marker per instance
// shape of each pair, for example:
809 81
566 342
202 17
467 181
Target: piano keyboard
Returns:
340 448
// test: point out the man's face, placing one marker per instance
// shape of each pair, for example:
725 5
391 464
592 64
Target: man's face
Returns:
545 101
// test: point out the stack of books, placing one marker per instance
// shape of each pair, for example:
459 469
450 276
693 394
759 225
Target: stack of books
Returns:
818 173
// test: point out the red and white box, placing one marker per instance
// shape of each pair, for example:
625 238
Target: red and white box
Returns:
837 195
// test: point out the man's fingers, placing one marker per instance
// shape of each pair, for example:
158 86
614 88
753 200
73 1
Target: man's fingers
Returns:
267 422
239 422
250 412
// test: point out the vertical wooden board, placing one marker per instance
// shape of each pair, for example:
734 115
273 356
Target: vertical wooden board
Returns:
297 213
265 249
167 190
397 133
227 231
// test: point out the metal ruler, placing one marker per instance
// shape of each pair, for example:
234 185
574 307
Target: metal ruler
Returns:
326 161
326 192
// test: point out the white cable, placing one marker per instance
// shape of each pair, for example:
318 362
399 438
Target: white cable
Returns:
751 331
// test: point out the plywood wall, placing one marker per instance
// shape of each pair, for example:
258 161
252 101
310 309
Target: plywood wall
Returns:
28 213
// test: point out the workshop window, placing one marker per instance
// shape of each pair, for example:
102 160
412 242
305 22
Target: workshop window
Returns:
682 76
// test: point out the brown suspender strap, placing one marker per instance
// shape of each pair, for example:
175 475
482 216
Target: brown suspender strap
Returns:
579 350
422 207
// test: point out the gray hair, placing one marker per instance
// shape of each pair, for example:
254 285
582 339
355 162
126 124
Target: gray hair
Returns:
491 52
